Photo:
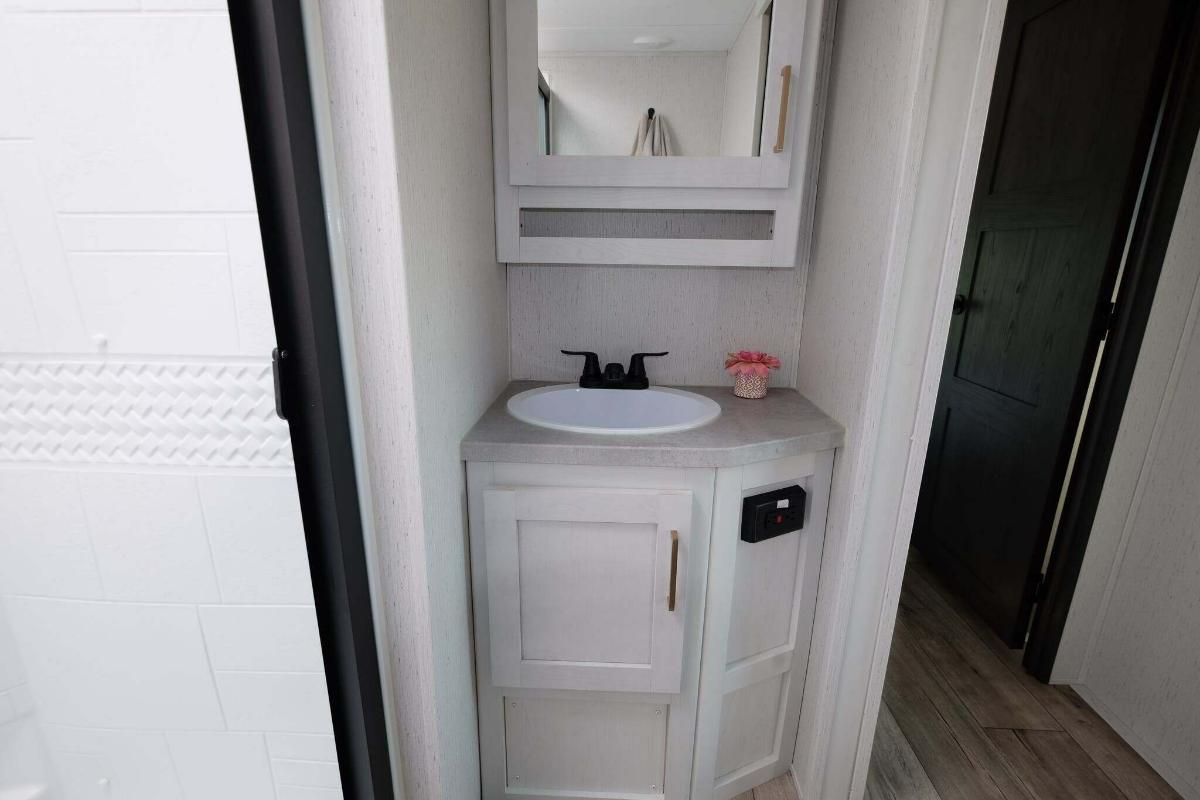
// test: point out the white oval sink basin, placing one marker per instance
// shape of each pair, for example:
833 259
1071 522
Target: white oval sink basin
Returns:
613 411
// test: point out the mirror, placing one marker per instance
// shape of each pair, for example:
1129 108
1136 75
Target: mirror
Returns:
652 77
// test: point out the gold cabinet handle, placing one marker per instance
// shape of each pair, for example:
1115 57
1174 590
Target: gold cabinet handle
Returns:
784 92
674 569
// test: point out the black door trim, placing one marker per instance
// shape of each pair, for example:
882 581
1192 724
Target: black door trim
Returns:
1168 171
268 39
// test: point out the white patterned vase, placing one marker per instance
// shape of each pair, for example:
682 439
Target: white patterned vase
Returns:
750 386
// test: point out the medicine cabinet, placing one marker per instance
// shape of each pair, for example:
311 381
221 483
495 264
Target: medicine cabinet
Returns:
656 132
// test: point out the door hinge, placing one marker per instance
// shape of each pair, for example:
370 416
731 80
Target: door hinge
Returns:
1110 322
277 358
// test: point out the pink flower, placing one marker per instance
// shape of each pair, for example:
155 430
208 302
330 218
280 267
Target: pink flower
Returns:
750 362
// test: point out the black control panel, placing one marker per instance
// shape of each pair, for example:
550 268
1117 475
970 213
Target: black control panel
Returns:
774 513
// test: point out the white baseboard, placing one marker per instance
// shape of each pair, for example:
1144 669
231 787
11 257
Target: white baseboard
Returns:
1152 756
796 783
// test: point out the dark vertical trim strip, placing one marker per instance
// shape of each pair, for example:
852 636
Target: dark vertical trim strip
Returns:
1151 235
268 40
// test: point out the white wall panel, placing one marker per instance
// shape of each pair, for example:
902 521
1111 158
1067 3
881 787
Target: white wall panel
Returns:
285 792
157 303
302 746
231 766
132 233
909 86
744 68
1131 643
257 538
23 756
124 665
34 241
12 673
697 314
431 336
45 548
292 702
600 99
248 268
136 763
126 107
262 638
18 325
148 536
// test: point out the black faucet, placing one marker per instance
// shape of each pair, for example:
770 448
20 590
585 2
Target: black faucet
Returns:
614 375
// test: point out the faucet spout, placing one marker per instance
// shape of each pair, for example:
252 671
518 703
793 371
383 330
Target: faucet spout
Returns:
614 375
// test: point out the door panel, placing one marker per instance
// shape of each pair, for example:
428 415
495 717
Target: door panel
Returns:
580 587
1077 86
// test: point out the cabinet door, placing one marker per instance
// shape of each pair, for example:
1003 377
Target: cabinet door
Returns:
585 587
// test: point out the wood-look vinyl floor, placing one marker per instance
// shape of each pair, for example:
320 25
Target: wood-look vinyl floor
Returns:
780 788
961 719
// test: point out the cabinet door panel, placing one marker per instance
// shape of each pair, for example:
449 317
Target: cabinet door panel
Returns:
563 746
579 582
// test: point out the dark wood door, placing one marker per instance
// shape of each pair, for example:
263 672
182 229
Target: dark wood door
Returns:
1077 88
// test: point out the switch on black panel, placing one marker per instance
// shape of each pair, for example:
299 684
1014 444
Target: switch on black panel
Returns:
771 514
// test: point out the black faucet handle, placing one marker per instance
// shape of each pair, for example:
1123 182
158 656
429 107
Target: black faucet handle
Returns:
637 363
591 364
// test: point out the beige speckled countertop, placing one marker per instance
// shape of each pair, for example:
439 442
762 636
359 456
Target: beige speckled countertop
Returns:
784 423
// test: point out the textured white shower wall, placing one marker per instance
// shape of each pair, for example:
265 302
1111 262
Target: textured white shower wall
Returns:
156 619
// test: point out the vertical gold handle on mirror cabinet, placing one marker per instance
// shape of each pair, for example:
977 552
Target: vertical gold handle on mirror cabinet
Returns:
674 570
784 95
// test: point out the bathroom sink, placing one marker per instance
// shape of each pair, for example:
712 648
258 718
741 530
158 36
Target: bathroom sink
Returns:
613 411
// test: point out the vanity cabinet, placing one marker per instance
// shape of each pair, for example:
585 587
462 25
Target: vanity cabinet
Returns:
628 643
583 587
737 89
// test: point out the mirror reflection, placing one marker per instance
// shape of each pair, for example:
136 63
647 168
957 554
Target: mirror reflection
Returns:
652 77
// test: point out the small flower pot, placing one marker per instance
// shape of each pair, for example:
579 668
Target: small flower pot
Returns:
750 386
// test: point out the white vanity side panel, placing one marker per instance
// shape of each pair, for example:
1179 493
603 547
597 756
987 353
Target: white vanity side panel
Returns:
765 603
585 745
744 659
748 724
764 589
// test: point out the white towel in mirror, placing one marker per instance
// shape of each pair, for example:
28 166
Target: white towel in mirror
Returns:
652 138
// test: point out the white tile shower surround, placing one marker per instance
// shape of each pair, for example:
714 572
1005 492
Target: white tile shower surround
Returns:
134 412
156 620
119 648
